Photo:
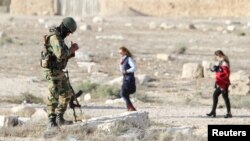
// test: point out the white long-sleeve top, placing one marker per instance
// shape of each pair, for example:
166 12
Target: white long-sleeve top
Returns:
131 63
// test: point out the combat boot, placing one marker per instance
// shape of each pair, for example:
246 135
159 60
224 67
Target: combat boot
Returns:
61 121
52 122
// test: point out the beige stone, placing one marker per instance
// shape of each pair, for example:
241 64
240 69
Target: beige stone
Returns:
206 69
23 110
122 122
177 7
240 83
192 70
40 114
32 7
162 56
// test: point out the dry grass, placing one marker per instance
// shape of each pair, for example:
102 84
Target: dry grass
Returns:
146 99
80 116
80 133
179 49
181 137
28 97
161 135
99 91
36 130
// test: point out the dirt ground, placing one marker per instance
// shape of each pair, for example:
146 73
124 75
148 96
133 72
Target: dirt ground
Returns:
178 102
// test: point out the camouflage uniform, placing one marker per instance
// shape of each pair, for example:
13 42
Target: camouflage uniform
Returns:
54 59
60 92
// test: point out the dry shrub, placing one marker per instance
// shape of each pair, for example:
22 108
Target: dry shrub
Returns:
26 130
26 96
100 91
82 133
165 136
120 128
179 49
182 137
145 98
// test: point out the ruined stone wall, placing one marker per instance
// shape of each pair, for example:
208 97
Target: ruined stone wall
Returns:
163 8
53 7
199 8
79 7
32 7
4 6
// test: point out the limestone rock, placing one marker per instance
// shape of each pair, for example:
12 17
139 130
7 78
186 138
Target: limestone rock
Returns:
87 97
121 122
40 114
11 121
85 27
143 79
23 110
164 57
111 102
206 69
240 83
192 70
97 19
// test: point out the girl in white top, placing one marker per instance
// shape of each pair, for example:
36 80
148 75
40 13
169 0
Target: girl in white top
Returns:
127 67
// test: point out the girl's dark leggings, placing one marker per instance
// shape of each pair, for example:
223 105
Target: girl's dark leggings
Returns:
125 96
216 95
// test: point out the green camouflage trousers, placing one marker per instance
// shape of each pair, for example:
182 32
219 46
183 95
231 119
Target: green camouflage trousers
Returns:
59 92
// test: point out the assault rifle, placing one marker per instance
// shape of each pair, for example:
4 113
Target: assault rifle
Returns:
73 101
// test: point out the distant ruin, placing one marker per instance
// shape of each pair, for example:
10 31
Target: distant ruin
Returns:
162 8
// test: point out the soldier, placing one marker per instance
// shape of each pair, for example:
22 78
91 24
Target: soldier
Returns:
58 54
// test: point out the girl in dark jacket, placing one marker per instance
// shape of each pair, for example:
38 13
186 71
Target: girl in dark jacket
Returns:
127 67
222 73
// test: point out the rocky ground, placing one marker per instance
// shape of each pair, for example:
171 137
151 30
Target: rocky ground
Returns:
169 99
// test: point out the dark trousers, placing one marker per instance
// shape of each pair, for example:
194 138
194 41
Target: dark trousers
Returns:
128 81
216 95
125 96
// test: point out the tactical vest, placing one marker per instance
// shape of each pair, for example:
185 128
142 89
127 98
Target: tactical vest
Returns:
48 59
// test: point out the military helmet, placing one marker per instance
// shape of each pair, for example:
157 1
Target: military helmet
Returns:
70 23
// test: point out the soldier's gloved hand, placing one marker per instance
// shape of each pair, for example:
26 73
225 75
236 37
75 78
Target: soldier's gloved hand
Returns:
74 47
